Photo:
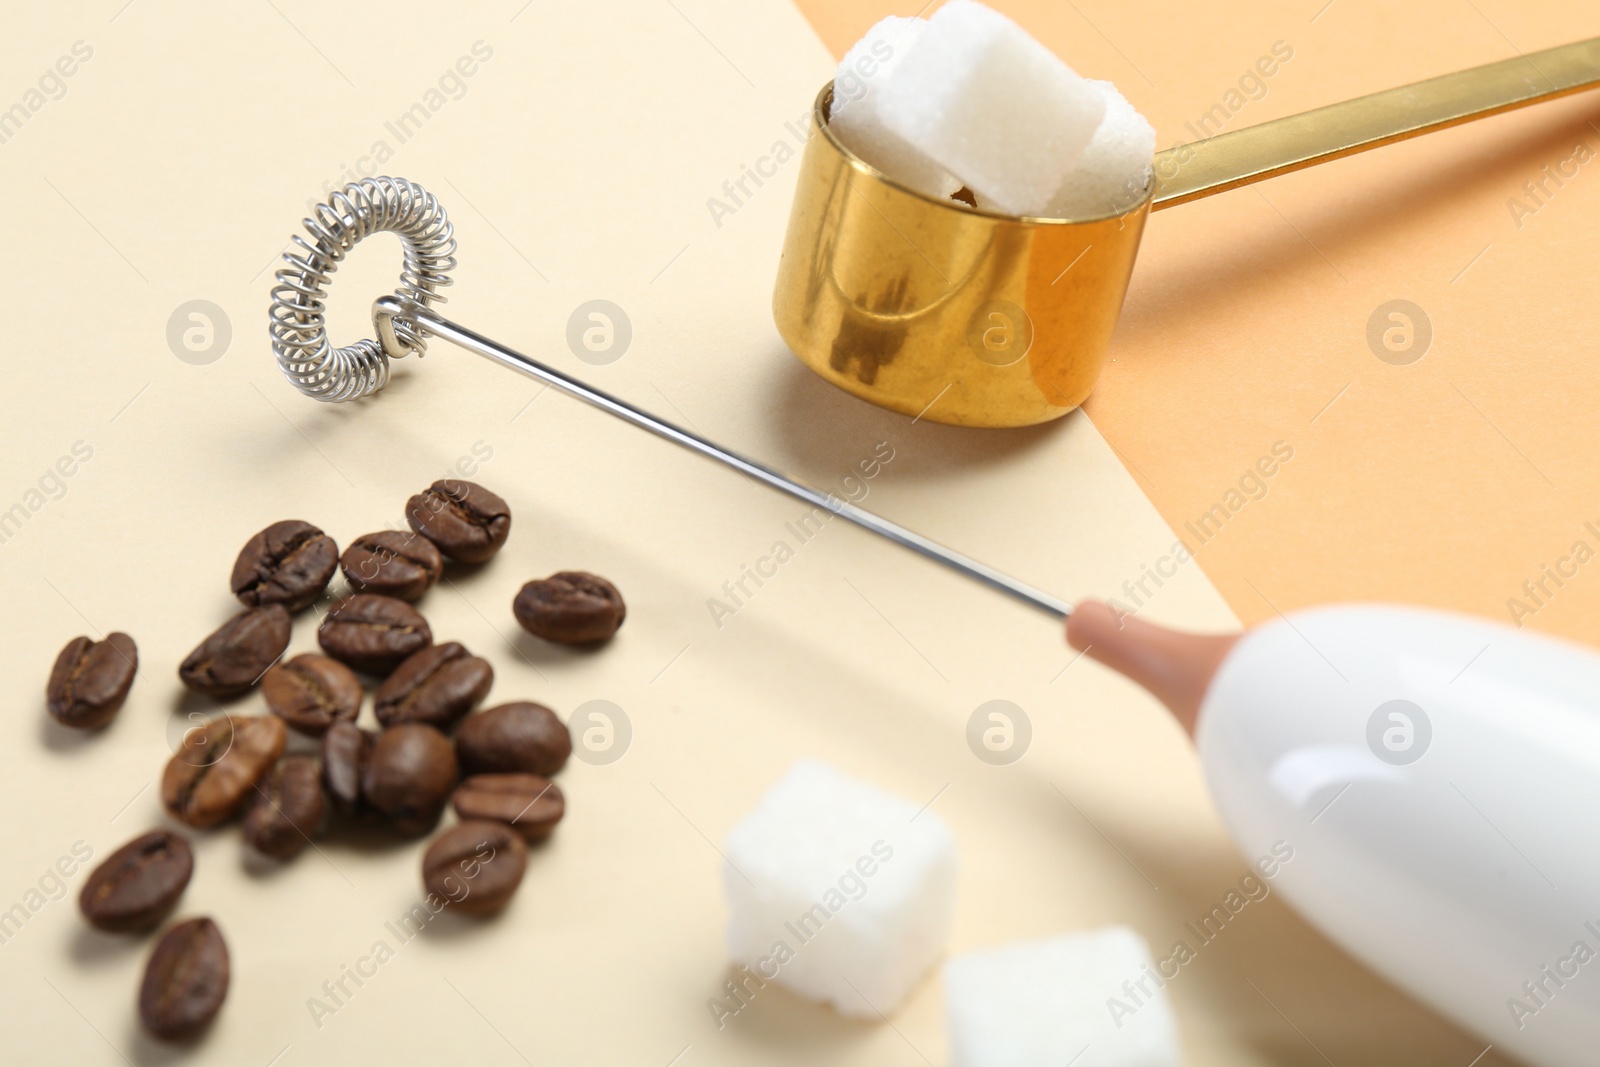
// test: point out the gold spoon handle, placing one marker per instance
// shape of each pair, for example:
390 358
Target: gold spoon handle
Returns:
1243 157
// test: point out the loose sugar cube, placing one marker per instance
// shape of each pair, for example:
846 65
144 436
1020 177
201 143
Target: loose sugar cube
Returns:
838 891
854 117
1089 999
991 105
1113 172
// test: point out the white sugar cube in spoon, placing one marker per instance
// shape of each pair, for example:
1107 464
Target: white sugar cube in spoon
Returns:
838 891
1112 174
854 118
996 108
1089 998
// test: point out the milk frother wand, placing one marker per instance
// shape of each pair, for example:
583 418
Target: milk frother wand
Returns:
1435 778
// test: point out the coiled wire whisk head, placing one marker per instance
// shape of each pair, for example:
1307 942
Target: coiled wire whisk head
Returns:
299 300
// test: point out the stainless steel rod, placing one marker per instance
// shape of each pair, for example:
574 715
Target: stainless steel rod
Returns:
429 322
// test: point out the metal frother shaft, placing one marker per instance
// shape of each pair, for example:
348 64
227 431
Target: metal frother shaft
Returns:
390 308
404 323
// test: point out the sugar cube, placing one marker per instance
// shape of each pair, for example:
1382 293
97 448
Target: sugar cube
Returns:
1091 999
838 891
854 117
1113 172
991 105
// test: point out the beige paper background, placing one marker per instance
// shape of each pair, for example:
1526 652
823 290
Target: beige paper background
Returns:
576 166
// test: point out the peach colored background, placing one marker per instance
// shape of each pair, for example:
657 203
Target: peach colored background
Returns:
1449 481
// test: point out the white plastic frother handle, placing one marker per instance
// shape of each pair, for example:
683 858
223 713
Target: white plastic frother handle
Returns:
1428 789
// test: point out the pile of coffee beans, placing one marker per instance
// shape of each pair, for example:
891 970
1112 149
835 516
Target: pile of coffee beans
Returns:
308 766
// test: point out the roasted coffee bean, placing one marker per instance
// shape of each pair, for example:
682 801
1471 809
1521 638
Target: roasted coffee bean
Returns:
529 804
516 737
219 765
571 608
138 884
373 633
409 776
312 692
235 657
392 563
466 521
437 686
288 563
287 808
476 866
91 679
345 751
185 981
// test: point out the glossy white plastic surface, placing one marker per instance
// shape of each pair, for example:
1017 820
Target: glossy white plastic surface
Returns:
1453 844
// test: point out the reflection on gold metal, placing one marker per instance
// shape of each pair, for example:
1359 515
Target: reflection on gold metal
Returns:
933 309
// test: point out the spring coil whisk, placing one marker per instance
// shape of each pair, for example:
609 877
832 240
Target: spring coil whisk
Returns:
299 300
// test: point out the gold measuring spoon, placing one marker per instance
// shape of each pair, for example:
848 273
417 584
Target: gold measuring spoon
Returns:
901 298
